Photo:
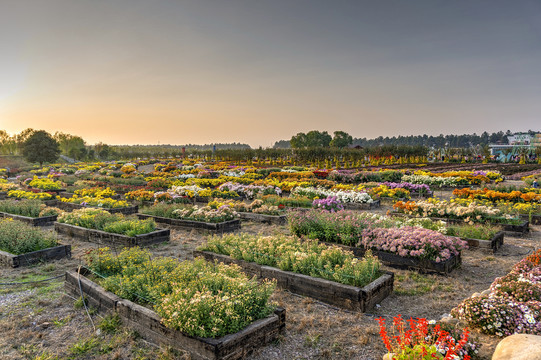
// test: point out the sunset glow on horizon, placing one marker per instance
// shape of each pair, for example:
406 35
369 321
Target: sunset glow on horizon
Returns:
199 72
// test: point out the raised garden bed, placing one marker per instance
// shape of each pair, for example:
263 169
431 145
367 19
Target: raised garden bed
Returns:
493 244
52 253
225 226
401 262
148 324
535 220
69 195
262 218
330 292
102 237
384 200
124 210
522 228
37 221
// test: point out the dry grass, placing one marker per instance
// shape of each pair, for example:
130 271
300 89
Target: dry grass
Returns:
40 322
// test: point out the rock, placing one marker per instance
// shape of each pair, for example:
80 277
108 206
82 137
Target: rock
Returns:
485 292
476 294
519 347
449 320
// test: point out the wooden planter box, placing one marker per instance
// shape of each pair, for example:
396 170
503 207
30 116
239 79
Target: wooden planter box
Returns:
536 219
37 221
125 210
53 253
148 324
493 244
102 237
226 226
262 218
330 292
401 262
364 206
523 228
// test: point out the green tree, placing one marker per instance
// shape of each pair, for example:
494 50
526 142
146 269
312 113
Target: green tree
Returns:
40 147
70 145
341 139
311 139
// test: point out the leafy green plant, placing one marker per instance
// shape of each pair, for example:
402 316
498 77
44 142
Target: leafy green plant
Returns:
19 238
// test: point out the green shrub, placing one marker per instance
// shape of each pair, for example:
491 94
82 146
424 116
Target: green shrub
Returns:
196 297
19 238
99 219
30 208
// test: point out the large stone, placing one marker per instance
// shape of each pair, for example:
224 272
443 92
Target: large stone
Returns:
519 347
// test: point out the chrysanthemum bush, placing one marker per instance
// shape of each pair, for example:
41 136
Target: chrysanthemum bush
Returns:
330 203
513 304
99 219
44 184
413 242
420 339
250 191
196 297
345 196
30 208
96 191
192 212
412 188
103 202
21 194
292 254
257 206
19 238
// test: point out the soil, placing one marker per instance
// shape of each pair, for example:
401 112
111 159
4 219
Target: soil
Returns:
39 321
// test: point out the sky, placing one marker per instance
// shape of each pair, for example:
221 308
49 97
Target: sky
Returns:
254 71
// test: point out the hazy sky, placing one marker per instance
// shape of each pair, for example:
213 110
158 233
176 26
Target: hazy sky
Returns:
254 71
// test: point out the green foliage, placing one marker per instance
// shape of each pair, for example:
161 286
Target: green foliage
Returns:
19 238
341 139
476 231
312 139
196 297
304 257
40 147
30 208
99 219
110 324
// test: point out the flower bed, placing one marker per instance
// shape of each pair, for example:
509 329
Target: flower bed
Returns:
305 268
211 310
512 304
21 194
22 244
494 196
29 211
224 226
96 225
220 219
111 205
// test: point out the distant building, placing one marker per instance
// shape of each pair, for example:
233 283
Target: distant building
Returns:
516 143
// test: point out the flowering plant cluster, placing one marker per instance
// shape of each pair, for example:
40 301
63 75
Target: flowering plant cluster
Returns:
257 206
330 203
205 213
470 213
304 257
99 219
413 242
195 297
105 202
491 195
44 184
385 191
21 194
344 196
438 181
128 168
96 191
412 188
140 195
250 191
7 186
30 208
513 304
424 340
287 202
19 238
